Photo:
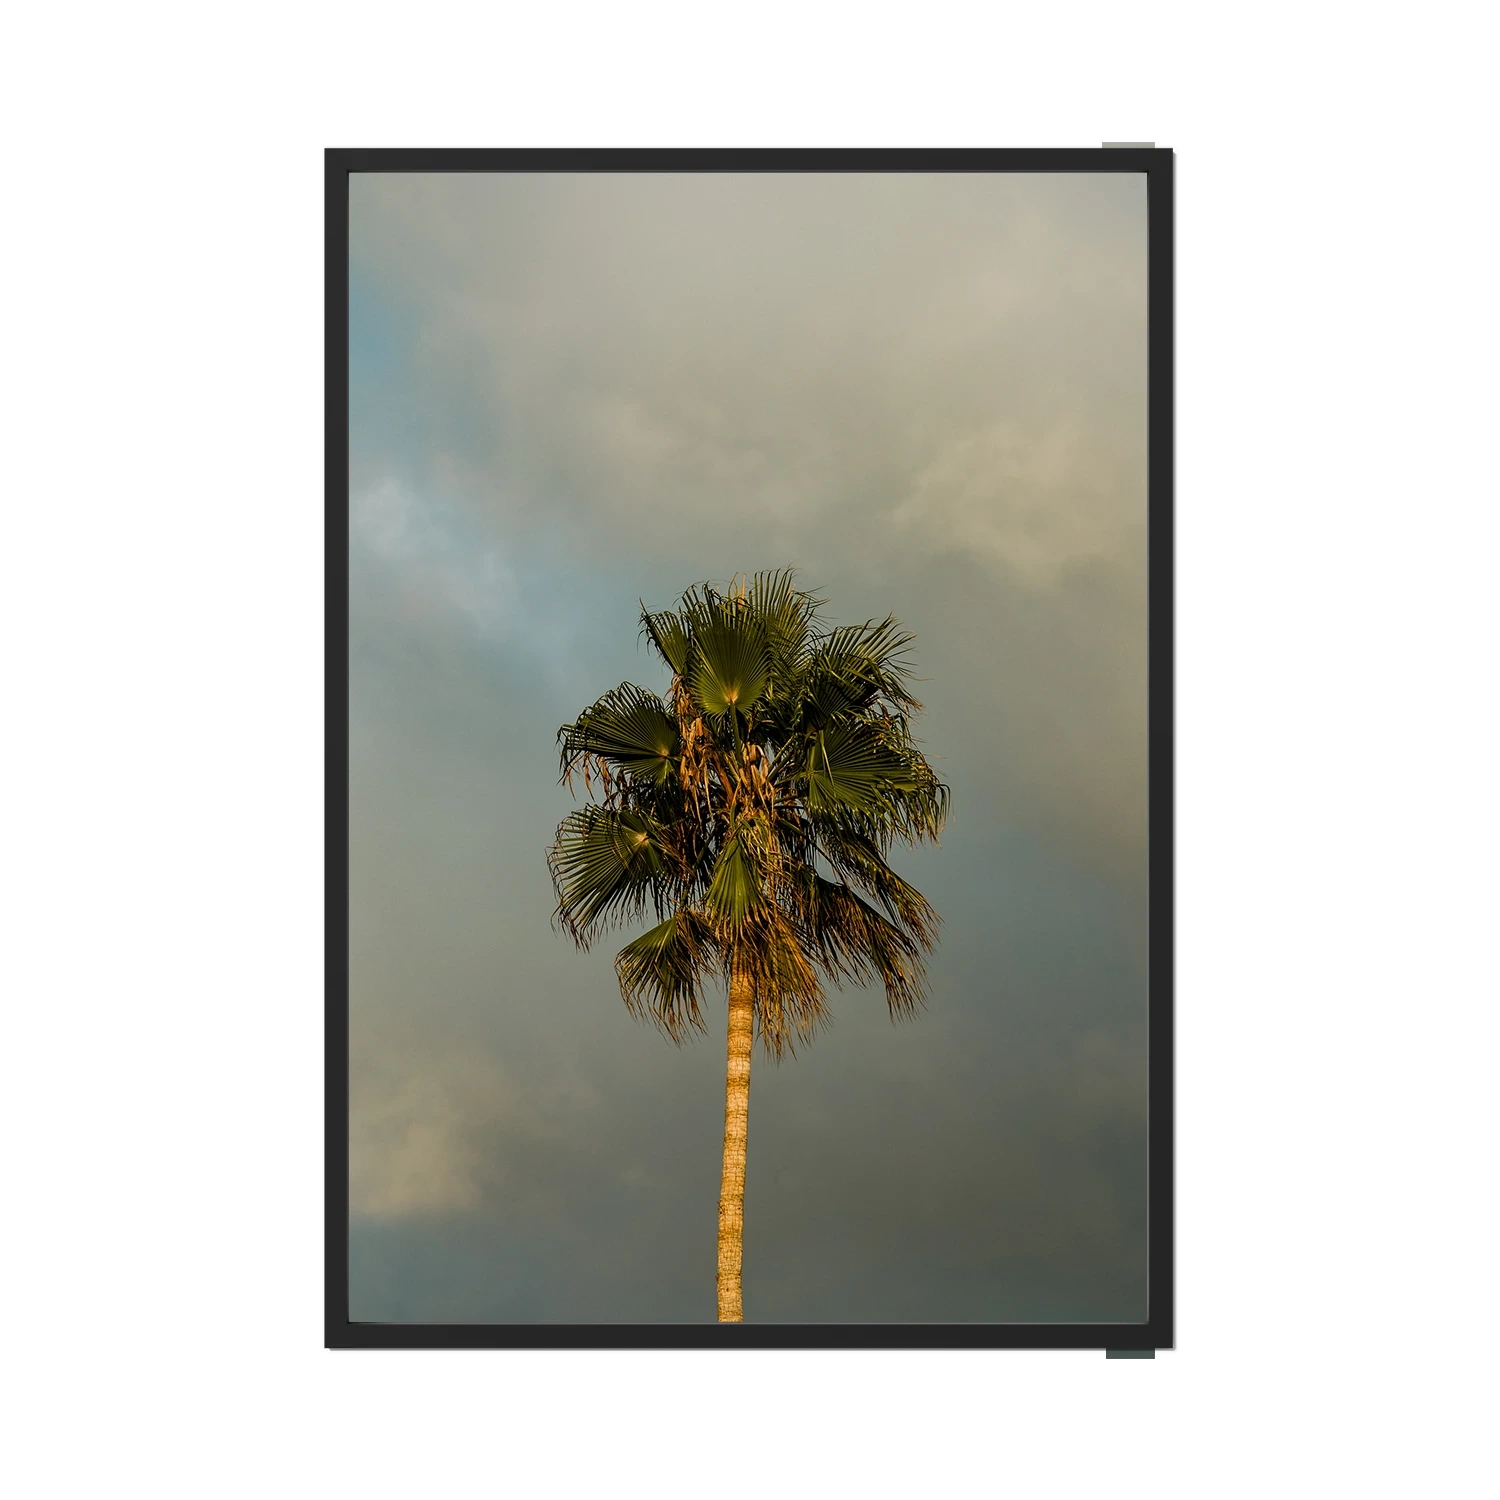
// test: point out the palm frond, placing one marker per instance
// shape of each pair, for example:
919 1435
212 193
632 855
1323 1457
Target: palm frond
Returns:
787 615
856 859
855 942
919 814
628 727
604 866
730 663
736 886
859 668
847 765
669 635
660 973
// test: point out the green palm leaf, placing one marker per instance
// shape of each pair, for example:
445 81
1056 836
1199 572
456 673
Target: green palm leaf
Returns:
856 858
604 865
628 727
786 615
730 664
669 635
857 669
857 943
849 766
660 971
735 887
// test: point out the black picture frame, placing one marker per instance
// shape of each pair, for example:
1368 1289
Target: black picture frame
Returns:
1116 1338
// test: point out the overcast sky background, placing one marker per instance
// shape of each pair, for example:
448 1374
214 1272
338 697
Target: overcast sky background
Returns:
571 393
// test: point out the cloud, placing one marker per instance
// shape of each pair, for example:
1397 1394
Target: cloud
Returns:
436 555
437 1129
1022 496
415 1138
455 581
639 353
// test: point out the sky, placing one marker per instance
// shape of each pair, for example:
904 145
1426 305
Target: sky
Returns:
571 393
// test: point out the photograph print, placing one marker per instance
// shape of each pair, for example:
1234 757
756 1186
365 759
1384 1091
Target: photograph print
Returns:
747 690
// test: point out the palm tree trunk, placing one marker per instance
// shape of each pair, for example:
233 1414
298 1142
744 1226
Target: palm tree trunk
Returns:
736 1129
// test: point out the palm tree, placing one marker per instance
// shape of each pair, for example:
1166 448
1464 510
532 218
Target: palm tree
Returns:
782 750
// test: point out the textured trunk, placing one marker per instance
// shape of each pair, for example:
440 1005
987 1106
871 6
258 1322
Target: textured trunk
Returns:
736 1129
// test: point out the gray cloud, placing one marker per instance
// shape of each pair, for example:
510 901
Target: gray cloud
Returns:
805 342
928 394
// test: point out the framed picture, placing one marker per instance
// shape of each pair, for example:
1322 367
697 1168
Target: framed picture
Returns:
749 748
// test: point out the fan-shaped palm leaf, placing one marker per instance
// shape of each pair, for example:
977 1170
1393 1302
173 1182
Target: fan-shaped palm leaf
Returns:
604 865
848 765
669 635
730 663
628 727
855 942
736 886
660 972
787 614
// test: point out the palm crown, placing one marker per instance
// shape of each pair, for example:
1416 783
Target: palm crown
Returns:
752 810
